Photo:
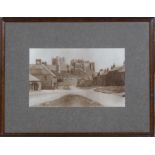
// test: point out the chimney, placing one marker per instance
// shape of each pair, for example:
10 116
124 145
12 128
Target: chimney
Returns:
38 61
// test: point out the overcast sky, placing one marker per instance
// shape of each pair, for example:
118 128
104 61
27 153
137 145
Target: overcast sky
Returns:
103 57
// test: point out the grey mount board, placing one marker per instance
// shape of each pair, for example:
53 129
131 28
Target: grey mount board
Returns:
132 36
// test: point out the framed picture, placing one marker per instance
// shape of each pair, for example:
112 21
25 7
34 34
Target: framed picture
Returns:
77 77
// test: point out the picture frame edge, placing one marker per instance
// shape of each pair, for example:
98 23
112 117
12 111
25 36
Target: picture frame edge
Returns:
151 21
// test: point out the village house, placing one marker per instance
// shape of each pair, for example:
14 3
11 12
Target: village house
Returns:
101 78
44 74
34 83
111 77
116 76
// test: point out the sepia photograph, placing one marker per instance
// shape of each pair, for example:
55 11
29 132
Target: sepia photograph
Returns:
77 77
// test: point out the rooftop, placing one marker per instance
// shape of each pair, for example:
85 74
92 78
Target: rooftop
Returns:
42 67
33 78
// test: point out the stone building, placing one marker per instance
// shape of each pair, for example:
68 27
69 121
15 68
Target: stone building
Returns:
58 61
116 76
101 78
60 64
34 83
81 67
44 74
113 77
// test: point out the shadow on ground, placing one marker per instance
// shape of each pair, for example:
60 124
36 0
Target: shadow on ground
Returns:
71 101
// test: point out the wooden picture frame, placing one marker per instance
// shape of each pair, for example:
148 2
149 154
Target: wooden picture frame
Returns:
3 21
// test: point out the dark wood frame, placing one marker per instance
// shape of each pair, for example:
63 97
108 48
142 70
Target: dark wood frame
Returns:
151 22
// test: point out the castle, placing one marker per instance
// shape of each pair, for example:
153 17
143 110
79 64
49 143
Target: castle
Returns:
85 66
